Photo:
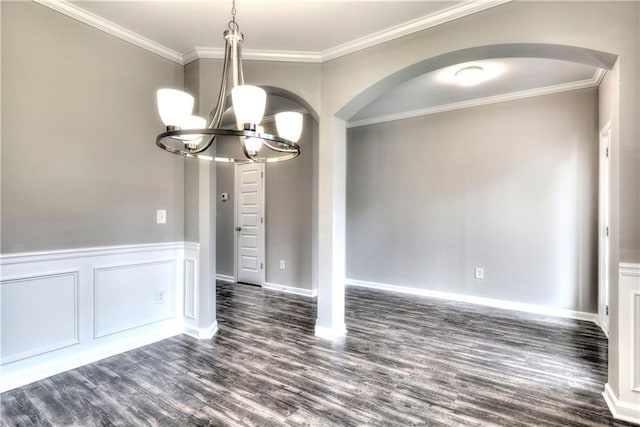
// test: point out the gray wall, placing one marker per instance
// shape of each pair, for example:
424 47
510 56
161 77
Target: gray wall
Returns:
509 187
288 215
79 163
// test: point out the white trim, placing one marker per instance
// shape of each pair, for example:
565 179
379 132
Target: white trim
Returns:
489 302
407 28
63 254
225 278
597 78
47 369
512 96
311 293
252 55
111 28
621 410
329 333
201 333
630 269
190 288
455 12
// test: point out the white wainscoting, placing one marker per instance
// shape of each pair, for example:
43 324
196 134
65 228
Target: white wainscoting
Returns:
66 308
625 404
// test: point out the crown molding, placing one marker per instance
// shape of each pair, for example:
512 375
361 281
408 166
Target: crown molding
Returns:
95 21
513 96
111 28
455 12
253 55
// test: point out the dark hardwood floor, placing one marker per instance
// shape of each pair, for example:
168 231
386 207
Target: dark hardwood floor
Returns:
405 361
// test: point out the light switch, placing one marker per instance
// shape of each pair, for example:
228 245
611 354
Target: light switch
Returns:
161 216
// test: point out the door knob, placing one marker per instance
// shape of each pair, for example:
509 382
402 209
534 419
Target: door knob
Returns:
238 228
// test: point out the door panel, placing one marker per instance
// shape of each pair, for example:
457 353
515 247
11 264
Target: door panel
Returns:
250 223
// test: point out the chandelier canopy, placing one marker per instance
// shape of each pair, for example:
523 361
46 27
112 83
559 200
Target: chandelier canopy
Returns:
190 136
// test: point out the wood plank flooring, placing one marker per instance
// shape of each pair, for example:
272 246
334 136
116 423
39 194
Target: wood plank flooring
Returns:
405 361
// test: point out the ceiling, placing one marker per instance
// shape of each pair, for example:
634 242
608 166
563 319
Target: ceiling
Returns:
299 26
321 30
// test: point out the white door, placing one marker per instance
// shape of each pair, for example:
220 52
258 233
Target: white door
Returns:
603 227
249 198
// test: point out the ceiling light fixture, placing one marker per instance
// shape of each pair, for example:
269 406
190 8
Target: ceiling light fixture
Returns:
189 136
468 76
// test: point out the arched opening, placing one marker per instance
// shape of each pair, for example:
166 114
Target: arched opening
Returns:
391 190
486 184
287 215
508 50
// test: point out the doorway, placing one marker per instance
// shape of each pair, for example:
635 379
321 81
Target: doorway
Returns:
249 224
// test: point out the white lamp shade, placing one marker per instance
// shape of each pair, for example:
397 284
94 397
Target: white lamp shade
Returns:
254 145
174 106
248 104
192 122
289 125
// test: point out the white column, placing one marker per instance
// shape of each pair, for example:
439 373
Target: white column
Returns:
207 323
623 393
331 228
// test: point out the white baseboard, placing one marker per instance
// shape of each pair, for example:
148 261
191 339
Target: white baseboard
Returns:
312 293
621 410
330 334
489 302
225 278
201 333
47 369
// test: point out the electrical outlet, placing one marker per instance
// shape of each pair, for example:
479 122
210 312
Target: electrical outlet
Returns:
161 216
282 264
479 273
161 296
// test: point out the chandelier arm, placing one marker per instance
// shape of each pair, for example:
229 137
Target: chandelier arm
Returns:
293 145
240 66
222 93
218 112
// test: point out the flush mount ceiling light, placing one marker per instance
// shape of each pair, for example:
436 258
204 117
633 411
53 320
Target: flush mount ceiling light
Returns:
468 76
190 136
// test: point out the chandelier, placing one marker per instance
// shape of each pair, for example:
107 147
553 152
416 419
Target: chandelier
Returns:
190 136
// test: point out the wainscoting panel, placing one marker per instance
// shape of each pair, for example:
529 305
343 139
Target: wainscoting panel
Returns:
39 314
63 309
132 295
190 288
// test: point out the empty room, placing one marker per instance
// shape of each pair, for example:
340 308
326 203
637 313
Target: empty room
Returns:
320 213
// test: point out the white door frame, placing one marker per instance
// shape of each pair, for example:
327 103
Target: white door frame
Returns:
604 188
261 229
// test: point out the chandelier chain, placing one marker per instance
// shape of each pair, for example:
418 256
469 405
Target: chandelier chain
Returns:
233 25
